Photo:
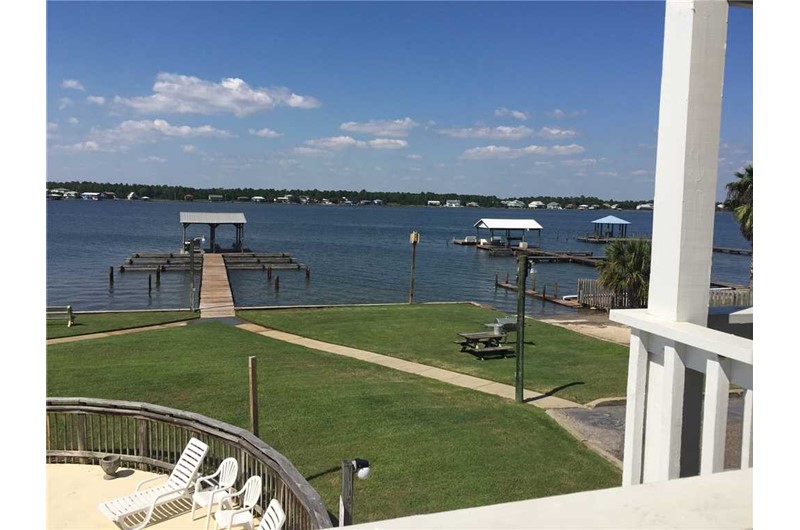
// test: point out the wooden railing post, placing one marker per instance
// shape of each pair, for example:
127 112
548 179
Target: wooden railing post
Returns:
81 419
144 438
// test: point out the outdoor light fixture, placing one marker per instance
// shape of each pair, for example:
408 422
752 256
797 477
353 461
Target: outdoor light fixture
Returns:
350 468
362 468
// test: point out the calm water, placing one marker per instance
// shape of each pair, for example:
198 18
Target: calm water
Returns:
356 254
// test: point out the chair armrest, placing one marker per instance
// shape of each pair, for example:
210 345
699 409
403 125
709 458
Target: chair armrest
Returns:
145 481
206 479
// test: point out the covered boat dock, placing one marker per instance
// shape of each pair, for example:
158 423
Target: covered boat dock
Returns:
514 232
607 229
213 220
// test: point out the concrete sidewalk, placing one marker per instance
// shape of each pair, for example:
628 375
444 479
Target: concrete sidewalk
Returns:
536 399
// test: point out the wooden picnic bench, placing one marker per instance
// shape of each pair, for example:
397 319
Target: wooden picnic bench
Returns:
484 343
61 313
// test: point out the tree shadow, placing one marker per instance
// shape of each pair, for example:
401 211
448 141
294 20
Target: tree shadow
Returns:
553 391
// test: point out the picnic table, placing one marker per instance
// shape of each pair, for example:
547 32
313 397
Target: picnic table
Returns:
482 343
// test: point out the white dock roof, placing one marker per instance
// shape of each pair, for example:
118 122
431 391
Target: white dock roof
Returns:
212 218
611 220
508 224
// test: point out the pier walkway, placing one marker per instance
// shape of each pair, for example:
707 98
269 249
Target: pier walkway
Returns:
216 299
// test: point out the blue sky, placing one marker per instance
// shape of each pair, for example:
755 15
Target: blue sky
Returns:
504 98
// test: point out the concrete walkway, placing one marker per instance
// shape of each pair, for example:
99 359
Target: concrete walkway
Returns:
465 381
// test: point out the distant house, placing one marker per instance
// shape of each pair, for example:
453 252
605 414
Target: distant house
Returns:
243 198
453 203
646 206
284 198
434 203
553 206
188 197
132 196
258 198
473 205
583 207
536 204
569 206
216 198
515 204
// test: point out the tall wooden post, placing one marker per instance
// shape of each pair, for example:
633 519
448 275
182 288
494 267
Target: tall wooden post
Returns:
346 501
414 239
253 395
522 271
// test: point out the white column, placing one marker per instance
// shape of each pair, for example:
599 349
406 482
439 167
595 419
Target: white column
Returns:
715 416
634 411
747 430
686 163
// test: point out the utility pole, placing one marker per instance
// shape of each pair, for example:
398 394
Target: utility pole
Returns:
522 273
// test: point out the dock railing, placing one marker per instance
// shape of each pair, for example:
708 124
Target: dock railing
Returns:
151 437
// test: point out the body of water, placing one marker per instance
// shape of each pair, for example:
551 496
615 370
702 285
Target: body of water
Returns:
357 254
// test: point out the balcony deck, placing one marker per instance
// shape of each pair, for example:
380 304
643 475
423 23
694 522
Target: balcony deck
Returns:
75 490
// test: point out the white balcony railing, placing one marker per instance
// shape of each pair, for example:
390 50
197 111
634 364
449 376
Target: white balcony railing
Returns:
662 356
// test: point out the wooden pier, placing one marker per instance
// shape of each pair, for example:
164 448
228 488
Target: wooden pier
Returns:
728 250
216 298
168 261
262 261
574 304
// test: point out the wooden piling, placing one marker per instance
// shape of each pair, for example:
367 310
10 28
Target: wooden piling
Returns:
555 289
111 275
149 283
253 395
269 272
308 273
277 283
544 291
158 276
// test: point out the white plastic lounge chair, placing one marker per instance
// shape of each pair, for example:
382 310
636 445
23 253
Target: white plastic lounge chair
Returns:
208 490
273 517
146 500
228 516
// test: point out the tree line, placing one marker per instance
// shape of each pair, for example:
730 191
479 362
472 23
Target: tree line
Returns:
177 193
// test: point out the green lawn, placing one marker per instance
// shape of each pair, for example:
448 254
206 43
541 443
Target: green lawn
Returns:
571 365
98 322
432 446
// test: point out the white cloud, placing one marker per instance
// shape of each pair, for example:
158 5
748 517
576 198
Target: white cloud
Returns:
414 157
148 131
73 120
640 172
187 94
189 148
563 114
548 132
52 130
391 128
153 160
72 84
264 133
607 174
81 146
385 143
335 143
311 151
63 103
502 111
96 100
586 162
503 152
502 132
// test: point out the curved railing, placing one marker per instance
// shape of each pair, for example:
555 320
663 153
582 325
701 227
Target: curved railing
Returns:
150 437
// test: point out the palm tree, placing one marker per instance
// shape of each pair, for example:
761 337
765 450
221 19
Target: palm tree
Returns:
740 200
626 271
